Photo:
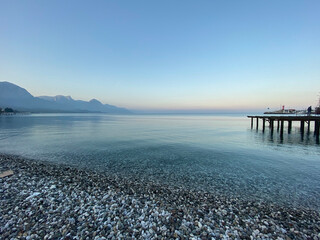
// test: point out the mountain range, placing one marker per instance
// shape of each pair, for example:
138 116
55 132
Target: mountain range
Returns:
20 99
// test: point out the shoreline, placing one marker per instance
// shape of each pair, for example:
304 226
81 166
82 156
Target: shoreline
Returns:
44 200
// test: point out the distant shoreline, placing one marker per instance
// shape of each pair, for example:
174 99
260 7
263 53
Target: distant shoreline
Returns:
54 201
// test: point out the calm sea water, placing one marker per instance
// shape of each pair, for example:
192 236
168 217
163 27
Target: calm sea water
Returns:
218 153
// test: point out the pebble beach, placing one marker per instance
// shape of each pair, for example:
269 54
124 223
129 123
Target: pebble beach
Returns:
42 200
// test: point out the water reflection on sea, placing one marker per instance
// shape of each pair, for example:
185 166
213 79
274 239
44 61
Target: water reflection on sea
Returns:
289 137
218 153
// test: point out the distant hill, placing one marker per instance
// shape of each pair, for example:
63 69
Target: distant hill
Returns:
20 99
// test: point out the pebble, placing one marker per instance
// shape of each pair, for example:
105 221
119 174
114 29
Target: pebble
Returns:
48 201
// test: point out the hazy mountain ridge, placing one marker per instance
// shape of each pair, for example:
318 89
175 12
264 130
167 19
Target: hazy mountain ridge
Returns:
19 98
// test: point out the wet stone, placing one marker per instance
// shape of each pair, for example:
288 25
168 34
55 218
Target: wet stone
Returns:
48 201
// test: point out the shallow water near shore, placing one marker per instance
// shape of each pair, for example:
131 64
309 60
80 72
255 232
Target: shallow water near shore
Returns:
217 153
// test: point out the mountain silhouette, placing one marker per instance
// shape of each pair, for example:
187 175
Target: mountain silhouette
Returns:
20 99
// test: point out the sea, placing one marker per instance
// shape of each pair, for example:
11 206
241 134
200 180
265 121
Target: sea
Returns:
218 153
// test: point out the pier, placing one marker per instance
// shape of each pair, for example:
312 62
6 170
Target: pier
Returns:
279 121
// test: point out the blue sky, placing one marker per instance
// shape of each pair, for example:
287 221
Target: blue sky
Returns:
165 55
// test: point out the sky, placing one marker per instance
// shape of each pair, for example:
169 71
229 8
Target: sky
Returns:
167 55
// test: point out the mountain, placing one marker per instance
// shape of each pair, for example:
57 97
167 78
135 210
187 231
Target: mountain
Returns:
19 98
13 92
93 105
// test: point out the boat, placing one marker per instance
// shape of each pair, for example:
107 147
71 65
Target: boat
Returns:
283 111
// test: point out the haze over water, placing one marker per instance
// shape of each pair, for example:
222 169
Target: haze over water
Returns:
216 153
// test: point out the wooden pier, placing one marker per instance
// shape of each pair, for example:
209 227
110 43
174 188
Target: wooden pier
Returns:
280 120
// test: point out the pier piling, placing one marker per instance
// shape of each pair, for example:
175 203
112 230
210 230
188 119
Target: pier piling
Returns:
281 128
271 126
316 128
281 119
302 126
289 126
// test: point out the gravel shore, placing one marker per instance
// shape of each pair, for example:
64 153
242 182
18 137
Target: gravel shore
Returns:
47 201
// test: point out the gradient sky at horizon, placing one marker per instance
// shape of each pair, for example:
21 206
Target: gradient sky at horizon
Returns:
165 55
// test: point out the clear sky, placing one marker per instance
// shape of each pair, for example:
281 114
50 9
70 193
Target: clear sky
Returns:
165 55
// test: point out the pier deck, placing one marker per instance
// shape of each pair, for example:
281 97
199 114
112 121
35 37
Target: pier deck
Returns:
305 119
